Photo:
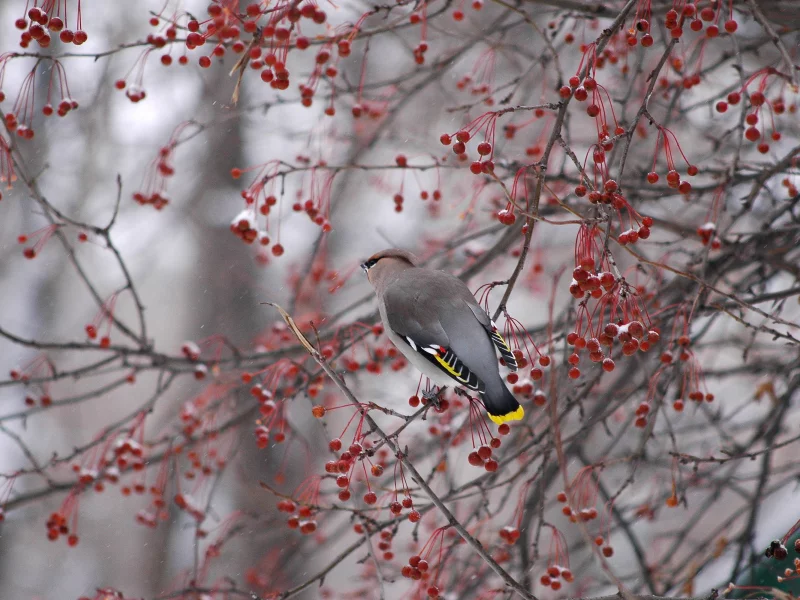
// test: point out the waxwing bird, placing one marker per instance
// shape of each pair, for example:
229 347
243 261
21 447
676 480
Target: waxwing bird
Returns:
435 321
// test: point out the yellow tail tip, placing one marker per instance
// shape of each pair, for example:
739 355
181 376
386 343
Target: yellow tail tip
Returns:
515 415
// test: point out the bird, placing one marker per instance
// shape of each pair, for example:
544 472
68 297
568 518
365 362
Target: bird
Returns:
434 320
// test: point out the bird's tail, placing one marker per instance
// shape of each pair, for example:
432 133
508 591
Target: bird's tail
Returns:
501 405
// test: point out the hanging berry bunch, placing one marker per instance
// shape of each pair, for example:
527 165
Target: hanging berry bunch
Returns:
47 18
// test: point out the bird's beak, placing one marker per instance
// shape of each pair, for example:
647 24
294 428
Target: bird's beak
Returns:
364 267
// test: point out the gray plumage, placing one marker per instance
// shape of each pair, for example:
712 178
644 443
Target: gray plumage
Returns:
423 309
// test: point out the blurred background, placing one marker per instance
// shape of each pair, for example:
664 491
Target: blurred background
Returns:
199 282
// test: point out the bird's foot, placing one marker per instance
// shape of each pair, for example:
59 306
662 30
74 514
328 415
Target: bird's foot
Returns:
433 395
461 392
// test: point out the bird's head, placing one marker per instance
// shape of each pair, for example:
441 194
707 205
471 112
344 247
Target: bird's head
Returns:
381 263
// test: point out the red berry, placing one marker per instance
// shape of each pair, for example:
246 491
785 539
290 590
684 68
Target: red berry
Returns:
752 134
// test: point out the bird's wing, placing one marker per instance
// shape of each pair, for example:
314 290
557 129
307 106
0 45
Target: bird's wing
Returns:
497 338
413 313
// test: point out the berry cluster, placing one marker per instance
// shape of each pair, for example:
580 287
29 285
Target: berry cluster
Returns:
374 356
631 335
57 526
104 315
64 521
129 453
302 517
618 316
259 202
605 547
227 26
758 103
553 576
673 177
244 227
345 464
557 562
39 367
419 568
190 350
485 149
43 22
40 237
158 509
586 282
385 544
20 118
482 457
509 534
268 410
759 100
692 382
674 20
480 79
415 569
641 26
577 514
317 207
189 505
707 234
396 508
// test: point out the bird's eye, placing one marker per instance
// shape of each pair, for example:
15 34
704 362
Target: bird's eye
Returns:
367 265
